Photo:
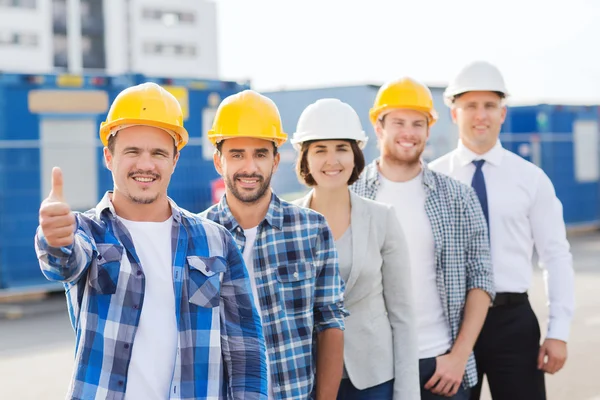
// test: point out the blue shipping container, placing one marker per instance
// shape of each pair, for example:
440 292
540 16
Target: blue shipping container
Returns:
564 142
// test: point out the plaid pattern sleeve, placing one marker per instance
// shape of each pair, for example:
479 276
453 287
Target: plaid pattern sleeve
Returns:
65 264
243 340
220 350
479 271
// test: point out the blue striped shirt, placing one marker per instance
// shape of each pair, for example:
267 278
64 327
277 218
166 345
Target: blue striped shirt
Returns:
299 288
220 353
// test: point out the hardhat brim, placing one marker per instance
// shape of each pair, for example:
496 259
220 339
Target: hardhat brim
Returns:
376 114
297 143
215 139
182 140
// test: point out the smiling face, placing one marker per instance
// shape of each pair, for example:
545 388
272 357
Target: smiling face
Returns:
479 117
402 135
246 165
142 160
330 162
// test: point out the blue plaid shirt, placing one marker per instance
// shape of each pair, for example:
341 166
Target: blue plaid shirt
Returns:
462 253
220 352
299 288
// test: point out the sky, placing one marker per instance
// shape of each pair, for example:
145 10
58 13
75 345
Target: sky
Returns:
548 51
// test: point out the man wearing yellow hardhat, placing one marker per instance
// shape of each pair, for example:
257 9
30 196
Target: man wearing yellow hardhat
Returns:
446 234
289 252
155 293
523 212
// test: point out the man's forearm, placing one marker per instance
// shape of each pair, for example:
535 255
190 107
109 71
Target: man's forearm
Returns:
476 309
330 363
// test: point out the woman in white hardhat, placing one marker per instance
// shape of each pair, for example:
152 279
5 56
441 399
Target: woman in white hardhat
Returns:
380 340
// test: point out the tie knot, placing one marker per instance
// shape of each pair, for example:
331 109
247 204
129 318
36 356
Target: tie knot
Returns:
478 163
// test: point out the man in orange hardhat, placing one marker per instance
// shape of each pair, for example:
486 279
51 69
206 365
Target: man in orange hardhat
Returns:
155 293
289 252
524 213
447 238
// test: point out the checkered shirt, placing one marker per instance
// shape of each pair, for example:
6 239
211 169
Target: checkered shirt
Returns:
220 353
299 288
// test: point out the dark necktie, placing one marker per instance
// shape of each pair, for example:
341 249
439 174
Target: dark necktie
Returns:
478 184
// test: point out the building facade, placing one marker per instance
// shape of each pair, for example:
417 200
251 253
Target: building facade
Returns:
177 38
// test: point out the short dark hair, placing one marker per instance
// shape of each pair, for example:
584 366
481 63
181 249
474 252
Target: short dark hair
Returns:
302 163
219 147
113 138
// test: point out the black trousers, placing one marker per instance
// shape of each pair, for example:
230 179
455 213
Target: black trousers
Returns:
506 352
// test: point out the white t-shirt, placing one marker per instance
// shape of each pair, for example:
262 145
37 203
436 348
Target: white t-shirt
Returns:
248 255
408 199
155 346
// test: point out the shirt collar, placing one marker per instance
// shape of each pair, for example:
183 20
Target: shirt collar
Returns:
372 174
106 205
493 156
274 215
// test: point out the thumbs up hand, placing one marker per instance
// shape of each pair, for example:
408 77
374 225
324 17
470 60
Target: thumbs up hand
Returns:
57 221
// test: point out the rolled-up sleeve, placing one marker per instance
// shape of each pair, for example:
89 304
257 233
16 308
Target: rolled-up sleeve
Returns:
65 264
329 311
243 343
479 264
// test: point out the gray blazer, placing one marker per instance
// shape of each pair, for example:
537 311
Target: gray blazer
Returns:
380 340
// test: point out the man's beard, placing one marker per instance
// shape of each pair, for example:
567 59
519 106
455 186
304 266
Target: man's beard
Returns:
253 197
403 161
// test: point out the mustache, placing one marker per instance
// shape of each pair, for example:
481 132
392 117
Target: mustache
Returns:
246 176
145 173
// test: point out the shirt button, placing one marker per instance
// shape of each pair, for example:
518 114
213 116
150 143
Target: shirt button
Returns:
126 345
139 272
136 306
120 383
99 257
295 274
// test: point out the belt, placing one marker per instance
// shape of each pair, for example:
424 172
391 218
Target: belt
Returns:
507 299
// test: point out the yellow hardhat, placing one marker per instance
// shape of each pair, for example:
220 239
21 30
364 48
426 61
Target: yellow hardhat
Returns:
145 104
403 93
247 114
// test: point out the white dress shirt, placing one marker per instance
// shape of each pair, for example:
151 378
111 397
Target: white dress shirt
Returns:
523 212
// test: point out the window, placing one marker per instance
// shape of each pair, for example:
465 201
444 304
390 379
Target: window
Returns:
169 18
170 49
92 29
60 51
18 39
32 4
586 146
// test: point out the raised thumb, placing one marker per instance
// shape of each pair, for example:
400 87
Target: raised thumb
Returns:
56 193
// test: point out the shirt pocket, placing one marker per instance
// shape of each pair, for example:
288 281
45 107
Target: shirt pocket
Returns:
103 275
296 286
204 285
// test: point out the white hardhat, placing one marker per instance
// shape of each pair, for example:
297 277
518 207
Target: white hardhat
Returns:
329 119
476 76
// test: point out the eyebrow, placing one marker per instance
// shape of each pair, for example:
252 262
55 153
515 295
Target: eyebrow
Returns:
139 149
260 151
402 119
322 146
